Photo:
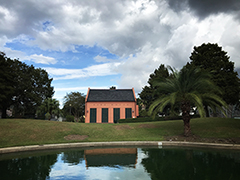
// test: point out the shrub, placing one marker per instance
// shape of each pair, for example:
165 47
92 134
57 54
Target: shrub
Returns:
143 113
173 117
69 118
140 119
48 116
150 119
82 119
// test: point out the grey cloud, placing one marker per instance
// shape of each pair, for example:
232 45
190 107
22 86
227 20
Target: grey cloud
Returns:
28 16
130 41
204 8
164 36
31 14
109 10
177 5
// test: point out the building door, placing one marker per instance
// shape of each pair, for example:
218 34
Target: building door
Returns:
128 113
104 115
116 115
93 115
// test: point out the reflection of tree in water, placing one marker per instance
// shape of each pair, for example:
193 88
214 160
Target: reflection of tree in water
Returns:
73 157
37 167
191 164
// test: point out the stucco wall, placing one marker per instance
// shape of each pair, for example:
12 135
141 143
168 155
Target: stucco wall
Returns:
110 106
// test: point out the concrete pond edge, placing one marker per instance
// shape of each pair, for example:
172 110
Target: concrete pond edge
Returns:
118 144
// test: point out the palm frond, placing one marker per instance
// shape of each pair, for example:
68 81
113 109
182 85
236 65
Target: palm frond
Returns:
196 99
158 105
189 85
214 101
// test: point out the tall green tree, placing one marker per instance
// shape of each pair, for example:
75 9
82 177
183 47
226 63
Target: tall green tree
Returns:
211 58
74 104
6 83
28 87
150 93
185 89
32 87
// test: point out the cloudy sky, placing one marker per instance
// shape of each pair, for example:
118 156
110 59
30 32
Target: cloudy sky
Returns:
103 43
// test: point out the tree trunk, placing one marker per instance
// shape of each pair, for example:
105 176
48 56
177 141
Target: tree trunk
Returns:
186 118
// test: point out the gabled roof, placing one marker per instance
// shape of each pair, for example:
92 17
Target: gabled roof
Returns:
110 95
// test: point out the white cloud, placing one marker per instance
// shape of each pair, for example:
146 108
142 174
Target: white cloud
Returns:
99 58
94 70
40 59
80 88
142 33
18 54
14 54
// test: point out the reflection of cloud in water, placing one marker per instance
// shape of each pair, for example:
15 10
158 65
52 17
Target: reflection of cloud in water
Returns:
70 171
120 173
62 169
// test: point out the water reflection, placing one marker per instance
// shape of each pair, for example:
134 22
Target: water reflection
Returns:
192 164
111 157
33 167
122 163
73 157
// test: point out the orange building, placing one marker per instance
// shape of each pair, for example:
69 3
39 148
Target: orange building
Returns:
110 105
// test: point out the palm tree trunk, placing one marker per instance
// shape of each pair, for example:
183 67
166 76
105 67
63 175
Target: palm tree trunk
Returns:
187 128
186 118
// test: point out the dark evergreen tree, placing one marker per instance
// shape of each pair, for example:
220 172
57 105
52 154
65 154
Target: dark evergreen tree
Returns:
212 58
150 93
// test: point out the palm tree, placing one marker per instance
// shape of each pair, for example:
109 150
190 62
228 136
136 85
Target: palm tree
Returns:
49 107
189 87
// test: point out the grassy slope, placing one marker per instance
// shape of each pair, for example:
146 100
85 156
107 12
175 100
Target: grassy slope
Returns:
15 132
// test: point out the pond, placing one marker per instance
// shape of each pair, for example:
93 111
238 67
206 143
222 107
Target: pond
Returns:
122 163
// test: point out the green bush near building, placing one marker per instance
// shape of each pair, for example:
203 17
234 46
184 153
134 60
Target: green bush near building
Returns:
69 118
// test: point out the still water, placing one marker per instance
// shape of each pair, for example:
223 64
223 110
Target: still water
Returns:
122 163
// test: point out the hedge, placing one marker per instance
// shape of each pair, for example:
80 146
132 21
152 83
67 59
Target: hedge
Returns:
150 119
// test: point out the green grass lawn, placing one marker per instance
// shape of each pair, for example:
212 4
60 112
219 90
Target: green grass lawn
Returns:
16 132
